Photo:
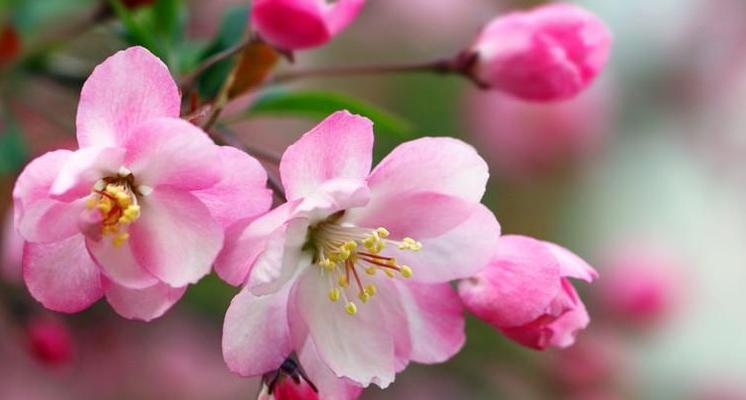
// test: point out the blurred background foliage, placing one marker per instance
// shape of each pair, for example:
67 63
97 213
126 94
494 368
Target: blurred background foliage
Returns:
648 161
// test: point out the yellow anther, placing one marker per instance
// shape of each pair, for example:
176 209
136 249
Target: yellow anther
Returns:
107 229
130 214
364 296
91 202
351 308
119 239
334 294
405 271
371 270
104 205
382 232
327 264
410 244
343 281
371 289
389 273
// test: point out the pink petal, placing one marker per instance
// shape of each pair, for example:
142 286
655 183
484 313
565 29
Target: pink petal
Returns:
35 180
436 321
246 240
356 346
283 256
48 221
143 304
442 165
171 151
571 265
61 275
340 14
290 24
119 264
340 146
331 196
420 215
242 193
127 89
517 285
175 239
326 381
396 320
458 253
83 168
566 328
255 334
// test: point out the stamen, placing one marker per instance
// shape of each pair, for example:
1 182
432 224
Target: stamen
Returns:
351 308
115 201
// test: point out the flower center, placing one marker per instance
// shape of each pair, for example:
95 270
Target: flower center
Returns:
113 203
343 251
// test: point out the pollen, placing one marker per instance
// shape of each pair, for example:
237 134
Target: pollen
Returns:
347 256
116 203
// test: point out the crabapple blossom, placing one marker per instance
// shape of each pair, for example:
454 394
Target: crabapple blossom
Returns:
525 292
138 211
352 272
302 24
548 53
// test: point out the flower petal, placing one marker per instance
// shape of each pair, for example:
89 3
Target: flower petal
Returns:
458 253
83 168
119 264
242 193
48 221
255 333
171 151
341 146
571 265
127 89
290 24
436 320
61 275
175 239
246 240
329 385
442 165
420 215
517 285
341 13
281 259
35 180
353 346
567 327
142 304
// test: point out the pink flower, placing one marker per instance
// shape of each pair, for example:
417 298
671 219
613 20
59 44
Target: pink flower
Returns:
641 286
336 273
302 24
525 292
523 140
549 53
138 212
49 340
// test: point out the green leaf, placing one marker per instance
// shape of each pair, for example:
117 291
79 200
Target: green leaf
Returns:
135 32
318 105
232 27
13 149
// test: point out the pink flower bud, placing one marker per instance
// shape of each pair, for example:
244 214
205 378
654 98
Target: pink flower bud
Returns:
49 340
302 24
545 54
525 292
641 285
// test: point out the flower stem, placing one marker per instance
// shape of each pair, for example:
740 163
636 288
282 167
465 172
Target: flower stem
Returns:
188 80
442 66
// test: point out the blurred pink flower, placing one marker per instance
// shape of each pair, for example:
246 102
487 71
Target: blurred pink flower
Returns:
522 139
11 252
525 292
49 340
595 361
140 172
343 231
548 53
288 389
302 24
641 285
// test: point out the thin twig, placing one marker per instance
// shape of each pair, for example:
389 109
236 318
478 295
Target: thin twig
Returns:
188 80
444 66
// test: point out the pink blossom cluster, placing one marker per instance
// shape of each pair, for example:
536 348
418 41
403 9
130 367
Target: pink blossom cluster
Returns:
352 274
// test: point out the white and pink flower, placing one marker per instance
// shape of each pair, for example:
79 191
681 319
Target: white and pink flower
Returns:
138 212
352 272
525 292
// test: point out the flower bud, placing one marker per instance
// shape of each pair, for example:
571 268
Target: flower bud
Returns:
302 24
546 54
49 340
